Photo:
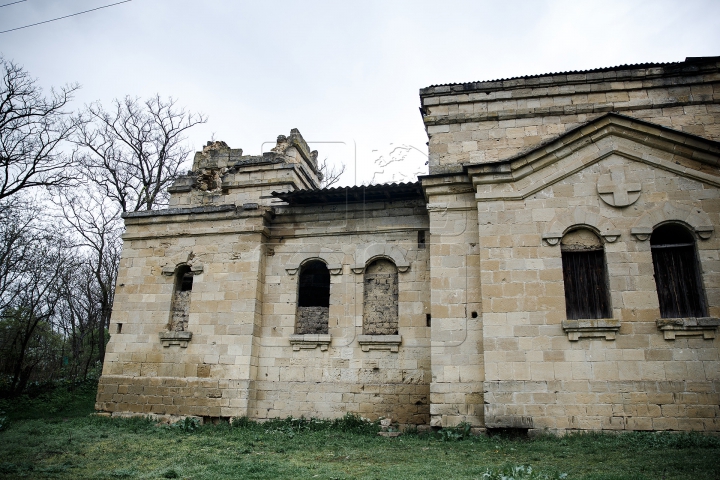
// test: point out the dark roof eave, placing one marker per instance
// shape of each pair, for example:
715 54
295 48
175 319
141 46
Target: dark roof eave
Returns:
355 194
496 84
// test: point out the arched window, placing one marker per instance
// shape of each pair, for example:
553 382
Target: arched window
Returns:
380 298
313 299
583 263
677 275
181 299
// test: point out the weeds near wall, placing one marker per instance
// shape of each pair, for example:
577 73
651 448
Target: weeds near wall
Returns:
349 423
519 472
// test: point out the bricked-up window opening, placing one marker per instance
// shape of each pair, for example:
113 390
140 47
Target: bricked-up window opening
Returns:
313 299
584 276
181 299
677 275
380 298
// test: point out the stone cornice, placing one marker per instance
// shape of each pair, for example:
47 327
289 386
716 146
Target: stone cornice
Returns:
586 109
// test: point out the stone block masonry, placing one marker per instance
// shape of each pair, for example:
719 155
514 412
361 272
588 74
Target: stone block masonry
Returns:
446 300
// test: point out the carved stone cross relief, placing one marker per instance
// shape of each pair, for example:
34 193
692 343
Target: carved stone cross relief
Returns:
615 190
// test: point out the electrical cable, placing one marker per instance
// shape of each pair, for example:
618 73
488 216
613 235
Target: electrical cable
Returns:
12 3
66 16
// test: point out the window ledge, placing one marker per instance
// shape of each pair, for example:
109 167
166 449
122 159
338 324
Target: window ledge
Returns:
310 341
379 342
591 328
688 326
175 338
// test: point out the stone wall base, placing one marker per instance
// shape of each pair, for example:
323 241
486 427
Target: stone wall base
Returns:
205 397
557 406
404 403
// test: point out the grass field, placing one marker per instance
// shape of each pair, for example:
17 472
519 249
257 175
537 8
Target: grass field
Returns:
54 437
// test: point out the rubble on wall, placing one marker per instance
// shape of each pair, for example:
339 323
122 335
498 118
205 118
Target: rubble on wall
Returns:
312 320
180 311
381 299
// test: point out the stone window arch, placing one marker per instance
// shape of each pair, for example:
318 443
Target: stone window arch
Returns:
181 299
380 298
584 275
313 298
677 273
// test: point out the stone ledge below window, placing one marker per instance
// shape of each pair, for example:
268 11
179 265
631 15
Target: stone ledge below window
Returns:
310 341
379 342
591 328
689 326
175 338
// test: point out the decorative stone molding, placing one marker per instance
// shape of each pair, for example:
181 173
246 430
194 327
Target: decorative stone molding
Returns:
591 328
614 190
379 342
580 217
691 326
381 250
195 268
310 341
332 259
693 217
175 338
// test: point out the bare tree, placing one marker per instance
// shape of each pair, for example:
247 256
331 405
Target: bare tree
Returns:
95 229
133 152
32 127
331 172
33 260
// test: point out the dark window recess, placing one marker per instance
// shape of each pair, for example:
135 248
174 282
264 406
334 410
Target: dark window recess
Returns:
473 314
314 288
428 320
421 239
186 282
586 293
677 276
119 328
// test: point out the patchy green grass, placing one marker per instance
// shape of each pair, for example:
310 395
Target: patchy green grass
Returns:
80 446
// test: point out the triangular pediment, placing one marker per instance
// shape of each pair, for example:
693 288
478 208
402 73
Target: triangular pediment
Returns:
529 172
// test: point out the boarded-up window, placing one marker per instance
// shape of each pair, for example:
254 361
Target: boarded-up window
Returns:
313 299
583 262
181 299
677 275
380 298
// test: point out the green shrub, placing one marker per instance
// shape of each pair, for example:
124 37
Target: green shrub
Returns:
519 472
187 425
453 434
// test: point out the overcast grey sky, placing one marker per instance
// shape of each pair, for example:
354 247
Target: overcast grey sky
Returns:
339 72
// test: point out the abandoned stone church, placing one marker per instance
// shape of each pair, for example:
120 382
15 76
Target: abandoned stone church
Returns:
557 269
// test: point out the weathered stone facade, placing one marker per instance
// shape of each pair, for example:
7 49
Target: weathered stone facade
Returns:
455 298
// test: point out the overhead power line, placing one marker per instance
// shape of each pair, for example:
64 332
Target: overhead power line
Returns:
66 16
12 3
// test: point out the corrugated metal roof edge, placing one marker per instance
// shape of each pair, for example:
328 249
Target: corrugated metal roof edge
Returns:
628 66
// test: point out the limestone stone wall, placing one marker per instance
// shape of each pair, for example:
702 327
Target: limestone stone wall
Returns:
485 122
329 380
243 314
633 377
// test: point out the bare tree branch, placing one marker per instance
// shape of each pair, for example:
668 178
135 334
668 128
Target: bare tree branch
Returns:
133 152
32 128
330 172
